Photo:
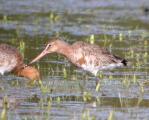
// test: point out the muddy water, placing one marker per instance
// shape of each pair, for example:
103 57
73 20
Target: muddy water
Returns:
120 26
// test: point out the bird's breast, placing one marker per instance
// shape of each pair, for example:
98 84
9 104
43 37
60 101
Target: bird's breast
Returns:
7 64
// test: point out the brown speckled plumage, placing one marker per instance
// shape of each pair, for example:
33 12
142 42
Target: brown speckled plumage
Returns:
10 55
12 61
95 54
89 57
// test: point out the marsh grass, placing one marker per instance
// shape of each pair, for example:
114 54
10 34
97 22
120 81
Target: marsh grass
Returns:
54 17
67 74
111 116
5 103
22 47
87 96
92 39
5 19
87 116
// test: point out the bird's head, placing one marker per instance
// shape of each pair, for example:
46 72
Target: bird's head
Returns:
54 45
29 72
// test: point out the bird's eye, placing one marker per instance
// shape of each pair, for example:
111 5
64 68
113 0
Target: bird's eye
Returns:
49 45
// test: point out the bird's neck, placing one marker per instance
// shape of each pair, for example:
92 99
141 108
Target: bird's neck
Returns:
65 50
27 72
18 70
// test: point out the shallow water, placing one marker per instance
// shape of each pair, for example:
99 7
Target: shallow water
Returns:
120 26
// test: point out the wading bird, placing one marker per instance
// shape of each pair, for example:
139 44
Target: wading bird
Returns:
12 61
89 57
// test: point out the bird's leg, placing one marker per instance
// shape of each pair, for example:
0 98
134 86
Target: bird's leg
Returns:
1 75
98 80
98 86
97 83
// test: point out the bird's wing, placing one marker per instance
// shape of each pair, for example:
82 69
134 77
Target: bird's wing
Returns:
93 54
7 52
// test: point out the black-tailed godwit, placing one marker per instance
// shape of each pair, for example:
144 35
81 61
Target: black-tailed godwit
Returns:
12 61
89 57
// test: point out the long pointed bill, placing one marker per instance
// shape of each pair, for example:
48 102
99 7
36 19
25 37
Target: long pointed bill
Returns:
38 57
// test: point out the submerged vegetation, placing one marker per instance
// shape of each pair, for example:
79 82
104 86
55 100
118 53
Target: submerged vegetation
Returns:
65 92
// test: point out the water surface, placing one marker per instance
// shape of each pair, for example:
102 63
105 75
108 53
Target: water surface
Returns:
69 93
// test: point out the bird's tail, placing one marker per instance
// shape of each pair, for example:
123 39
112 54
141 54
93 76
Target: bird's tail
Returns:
125 62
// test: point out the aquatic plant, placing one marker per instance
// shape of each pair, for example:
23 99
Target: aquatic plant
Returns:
87 116
5 103
22 47
111 116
